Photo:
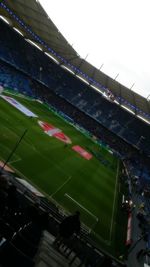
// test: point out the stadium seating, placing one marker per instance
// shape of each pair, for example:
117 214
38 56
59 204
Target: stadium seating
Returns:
10 77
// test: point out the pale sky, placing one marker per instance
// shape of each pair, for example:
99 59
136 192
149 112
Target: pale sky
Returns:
112 32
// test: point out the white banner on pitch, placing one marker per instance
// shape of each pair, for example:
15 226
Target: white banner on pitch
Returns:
19 106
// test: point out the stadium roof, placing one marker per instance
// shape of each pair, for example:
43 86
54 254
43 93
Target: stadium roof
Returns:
31 20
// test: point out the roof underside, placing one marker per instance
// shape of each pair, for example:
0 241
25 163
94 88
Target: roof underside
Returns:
36 19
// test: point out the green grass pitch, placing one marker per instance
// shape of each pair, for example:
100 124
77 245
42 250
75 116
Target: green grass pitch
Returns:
62 174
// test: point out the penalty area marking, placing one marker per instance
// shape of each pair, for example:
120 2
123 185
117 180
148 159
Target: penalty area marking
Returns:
114 200
82 207
60 187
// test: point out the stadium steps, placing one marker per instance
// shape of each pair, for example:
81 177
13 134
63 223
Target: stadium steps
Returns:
48 256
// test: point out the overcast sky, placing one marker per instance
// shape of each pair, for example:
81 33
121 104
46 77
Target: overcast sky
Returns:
112 32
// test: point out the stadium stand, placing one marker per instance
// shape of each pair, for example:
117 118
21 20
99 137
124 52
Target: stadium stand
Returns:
10 77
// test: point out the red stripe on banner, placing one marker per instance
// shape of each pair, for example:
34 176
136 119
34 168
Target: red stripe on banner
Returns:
128 239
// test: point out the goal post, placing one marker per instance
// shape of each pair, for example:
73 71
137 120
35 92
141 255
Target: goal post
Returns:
88 219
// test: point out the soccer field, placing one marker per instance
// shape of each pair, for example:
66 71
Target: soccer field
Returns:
74 182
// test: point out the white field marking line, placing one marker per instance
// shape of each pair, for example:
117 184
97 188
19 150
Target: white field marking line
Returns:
81 206
102 239
14 161
30 144
60 187
33 184
111 226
